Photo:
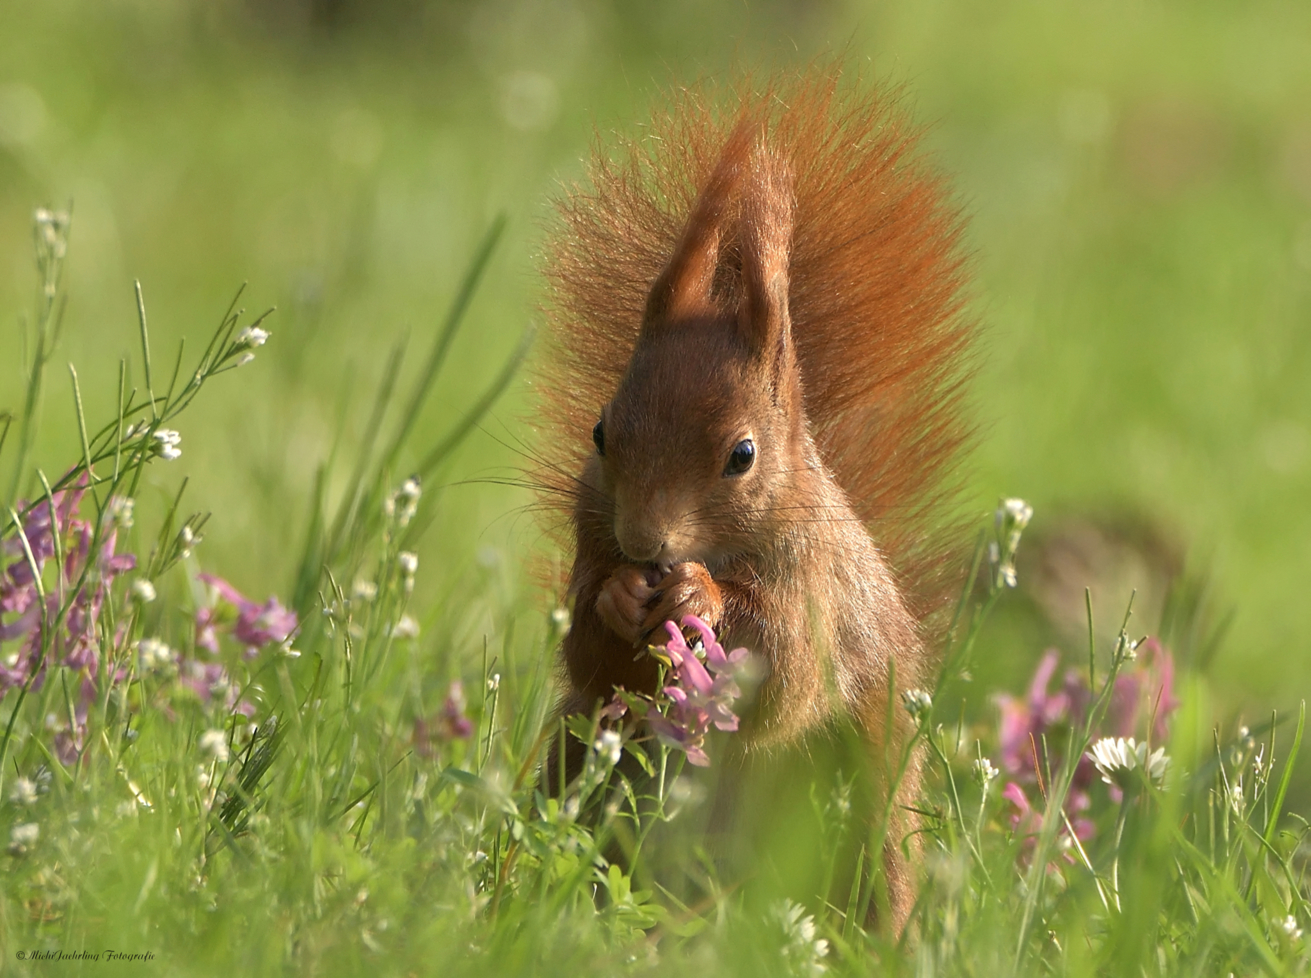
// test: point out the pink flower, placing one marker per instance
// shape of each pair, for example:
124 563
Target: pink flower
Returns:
1026 821
1143 690
77 642
256 625
696 699
449 723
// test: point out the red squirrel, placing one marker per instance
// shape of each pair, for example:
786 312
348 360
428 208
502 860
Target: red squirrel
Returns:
752 403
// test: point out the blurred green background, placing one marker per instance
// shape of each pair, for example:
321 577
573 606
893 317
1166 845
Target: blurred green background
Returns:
1138 177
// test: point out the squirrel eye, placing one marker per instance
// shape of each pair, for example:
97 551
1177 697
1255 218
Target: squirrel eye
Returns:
598 437
741 458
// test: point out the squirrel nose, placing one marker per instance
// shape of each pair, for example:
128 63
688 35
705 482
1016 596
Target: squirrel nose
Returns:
638 544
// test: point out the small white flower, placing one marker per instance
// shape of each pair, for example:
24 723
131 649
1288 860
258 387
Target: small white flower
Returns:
917 702
1236 795
289 652
407 627
984 772
24 835
214 743
119 511
363 590
252 336
1156 765
154 654
561 620
188 540
494 683
1015 512
1116 757
609 746
569 811
143 591
244 359
402 504
1289 924
23 792
166 444
802 950
408 562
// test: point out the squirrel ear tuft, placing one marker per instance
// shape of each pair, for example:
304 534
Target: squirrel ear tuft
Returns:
685 287
765 238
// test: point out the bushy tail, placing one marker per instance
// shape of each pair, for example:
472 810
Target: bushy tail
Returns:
876 295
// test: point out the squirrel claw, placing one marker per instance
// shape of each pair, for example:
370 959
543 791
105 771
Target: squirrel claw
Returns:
687 589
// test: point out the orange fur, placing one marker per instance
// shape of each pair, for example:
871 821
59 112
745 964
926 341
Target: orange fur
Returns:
877 296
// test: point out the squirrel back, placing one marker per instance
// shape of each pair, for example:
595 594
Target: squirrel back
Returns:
875 292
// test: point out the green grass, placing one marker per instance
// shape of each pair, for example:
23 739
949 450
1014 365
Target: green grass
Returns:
318 793
1139 182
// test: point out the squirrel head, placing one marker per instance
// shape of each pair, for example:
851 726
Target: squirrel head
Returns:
706 430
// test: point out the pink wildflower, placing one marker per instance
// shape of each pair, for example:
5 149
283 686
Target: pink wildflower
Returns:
1143 690
698 700
449 723
77 642
256 625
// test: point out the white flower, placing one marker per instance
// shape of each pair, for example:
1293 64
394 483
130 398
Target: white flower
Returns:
404 502
407 627
561 620
52 231
1012 517
802 950
1014 512
214 743
609 746
24 835
984 772
244 359
1289 924
917 702
1116 757
23 792
119 511
363 590
494 683
252 336
408 561
154 654
167 441
143 591
1236 795
1156 765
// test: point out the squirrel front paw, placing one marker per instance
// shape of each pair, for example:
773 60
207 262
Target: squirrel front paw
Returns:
623 600
635 601
688 589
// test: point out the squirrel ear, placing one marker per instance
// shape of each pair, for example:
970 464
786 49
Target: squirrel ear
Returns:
765 237
684 288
